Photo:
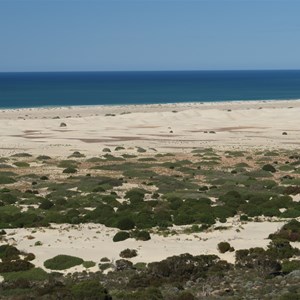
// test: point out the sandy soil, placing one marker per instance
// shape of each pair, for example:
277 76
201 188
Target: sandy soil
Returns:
94 241
170 127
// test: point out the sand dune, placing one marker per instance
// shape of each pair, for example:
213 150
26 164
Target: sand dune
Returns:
258 124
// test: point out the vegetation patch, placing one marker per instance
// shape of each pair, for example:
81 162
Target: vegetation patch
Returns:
62 262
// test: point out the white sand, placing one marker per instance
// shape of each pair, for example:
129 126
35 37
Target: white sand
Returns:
257 124
93 242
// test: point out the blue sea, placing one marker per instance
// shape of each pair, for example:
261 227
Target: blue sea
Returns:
102 88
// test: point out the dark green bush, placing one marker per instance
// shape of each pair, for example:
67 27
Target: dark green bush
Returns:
6 179
289 266
141 235
22 154
8 198
135 195
15 266
289 231
46 204
22 164
9 252
76 154
121 236
281 249
70 170
62 262
91 289
269 168
257 258
125 224
43 157
128 253
224 247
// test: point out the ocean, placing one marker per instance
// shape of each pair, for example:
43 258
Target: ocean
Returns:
40 89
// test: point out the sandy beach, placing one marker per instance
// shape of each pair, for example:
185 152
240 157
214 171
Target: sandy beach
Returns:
169 127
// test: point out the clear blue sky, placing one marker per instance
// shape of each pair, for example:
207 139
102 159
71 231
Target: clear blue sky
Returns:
58 35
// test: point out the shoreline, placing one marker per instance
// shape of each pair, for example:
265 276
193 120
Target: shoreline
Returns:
95 110
167 104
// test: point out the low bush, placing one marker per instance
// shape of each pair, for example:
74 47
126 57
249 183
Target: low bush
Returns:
36 274
128 253
70 170
46 204
6 179
9 252
141 235
269 168
290 266
43 157
22 164
121 236
125 224
123 264
23 154
62 262
91 289
289 231
224 247
15 266
76 154
89 264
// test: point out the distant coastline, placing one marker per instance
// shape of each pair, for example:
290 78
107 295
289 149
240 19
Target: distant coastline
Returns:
63 89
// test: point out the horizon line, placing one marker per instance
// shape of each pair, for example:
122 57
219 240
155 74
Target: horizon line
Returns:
127 71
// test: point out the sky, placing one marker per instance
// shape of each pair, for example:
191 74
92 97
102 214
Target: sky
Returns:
111 35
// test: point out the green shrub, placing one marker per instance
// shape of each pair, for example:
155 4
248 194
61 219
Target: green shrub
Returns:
140 266
88 264
70 170
289 231
281 249
185 296
6 179
91 289
125 224
29 257
121 236
15 266
62 262
43 157
76 154
269 168
34 274
9 252
67 163
23 154
224 247
8 198
289 266
128 253
46 204
22 164
105 266
141 150
141 235
135 195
